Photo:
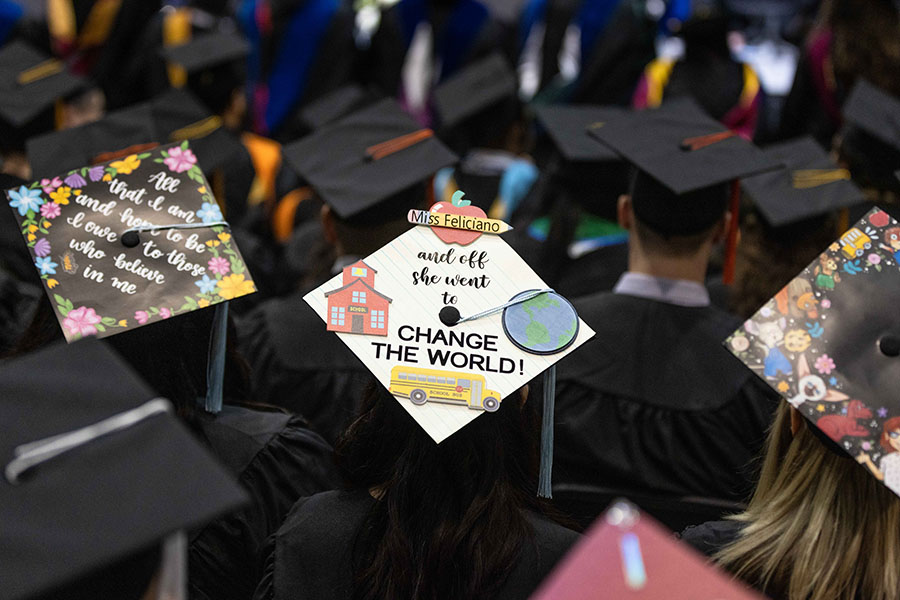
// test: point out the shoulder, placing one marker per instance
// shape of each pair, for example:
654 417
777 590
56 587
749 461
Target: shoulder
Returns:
552 539
712 536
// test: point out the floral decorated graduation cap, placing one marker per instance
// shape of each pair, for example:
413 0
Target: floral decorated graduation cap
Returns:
829 343
628 555
450 319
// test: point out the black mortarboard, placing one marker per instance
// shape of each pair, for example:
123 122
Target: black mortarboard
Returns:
474 89
336 104
870 139
58 151
207 51
684 160
367 157
809 184
874 111
69 514
569 126
829 344
31 82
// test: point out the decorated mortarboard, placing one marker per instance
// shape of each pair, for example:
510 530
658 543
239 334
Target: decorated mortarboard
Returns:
626 554
685 160
808 184
451 320
829 343
875 111
59 151
366 157
31 82
207 51
479 86
568 127
336 104
95 468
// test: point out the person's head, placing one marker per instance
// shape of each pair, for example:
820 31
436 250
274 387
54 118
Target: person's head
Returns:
369 230
666 228
890 437
819 525
454 509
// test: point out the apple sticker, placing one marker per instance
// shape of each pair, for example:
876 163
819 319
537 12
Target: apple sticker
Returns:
457 206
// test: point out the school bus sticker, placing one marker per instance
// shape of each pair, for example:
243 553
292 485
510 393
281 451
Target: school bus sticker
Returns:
445 387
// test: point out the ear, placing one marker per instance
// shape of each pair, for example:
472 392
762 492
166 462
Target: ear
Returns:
835 396
752 327
328 228
720 231
625 212
802 367
796 421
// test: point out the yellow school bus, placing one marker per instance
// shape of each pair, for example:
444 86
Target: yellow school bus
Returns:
855 243
448 387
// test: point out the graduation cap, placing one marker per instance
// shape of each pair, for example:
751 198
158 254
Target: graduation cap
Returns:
96 469
809 184
568 127
206 51
336 104
870 139
685 162
30 85
451 320
476 88
58 151
829 344
626 554
367 157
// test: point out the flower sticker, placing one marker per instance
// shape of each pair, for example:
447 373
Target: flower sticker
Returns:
42 247
82 321
824 364
24 200
50 210
235 286
218 265
95 173
141 316
180 160
206 285
127 165
48 185
75 180
210 212
46 265
61 195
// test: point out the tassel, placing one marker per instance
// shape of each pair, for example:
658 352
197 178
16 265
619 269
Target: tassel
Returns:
731 241
545 487
215 365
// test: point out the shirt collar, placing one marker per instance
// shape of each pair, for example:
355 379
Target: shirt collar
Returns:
679 292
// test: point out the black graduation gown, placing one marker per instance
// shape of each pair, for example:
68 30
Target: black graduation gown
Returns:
655 404
277 459
310 556
299 365
18 302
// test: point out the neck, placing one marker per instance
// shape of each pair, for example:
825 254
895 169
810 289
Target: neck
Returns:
688 268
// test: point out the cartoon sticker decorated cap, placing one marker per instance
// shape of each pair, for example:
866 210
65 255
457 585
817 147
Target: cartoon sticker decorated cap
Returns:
360 162
808 184
129 242
628 555
829 343
449 326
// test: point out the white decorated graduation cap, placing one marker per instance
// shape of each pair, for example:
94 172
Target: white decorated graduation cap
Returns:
449 319
96 468
366 157
626 554
829 343
807 185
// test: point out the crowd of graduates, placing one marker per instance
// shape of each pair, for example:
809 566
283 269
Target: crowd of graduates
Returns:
572 120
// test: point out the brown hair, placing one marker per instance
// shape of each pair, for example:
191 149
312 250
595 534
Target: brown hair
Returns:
891 425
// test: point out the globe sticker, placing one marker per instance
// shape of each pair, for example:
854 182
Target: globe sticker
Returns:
469 323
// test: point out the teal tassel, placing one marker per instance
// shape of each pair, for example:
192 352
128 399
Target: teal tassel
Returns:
545 487
215 365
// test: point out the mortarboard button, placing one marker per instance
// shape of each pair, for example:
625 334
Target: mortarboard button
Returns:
889 345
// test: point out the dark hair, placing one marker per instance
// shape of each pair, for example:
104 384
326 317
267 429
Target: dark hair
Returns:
451 513
866 42
170 355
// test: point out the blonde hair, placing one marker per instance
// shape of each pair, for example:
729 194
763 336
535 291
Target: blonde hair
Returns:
819 526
